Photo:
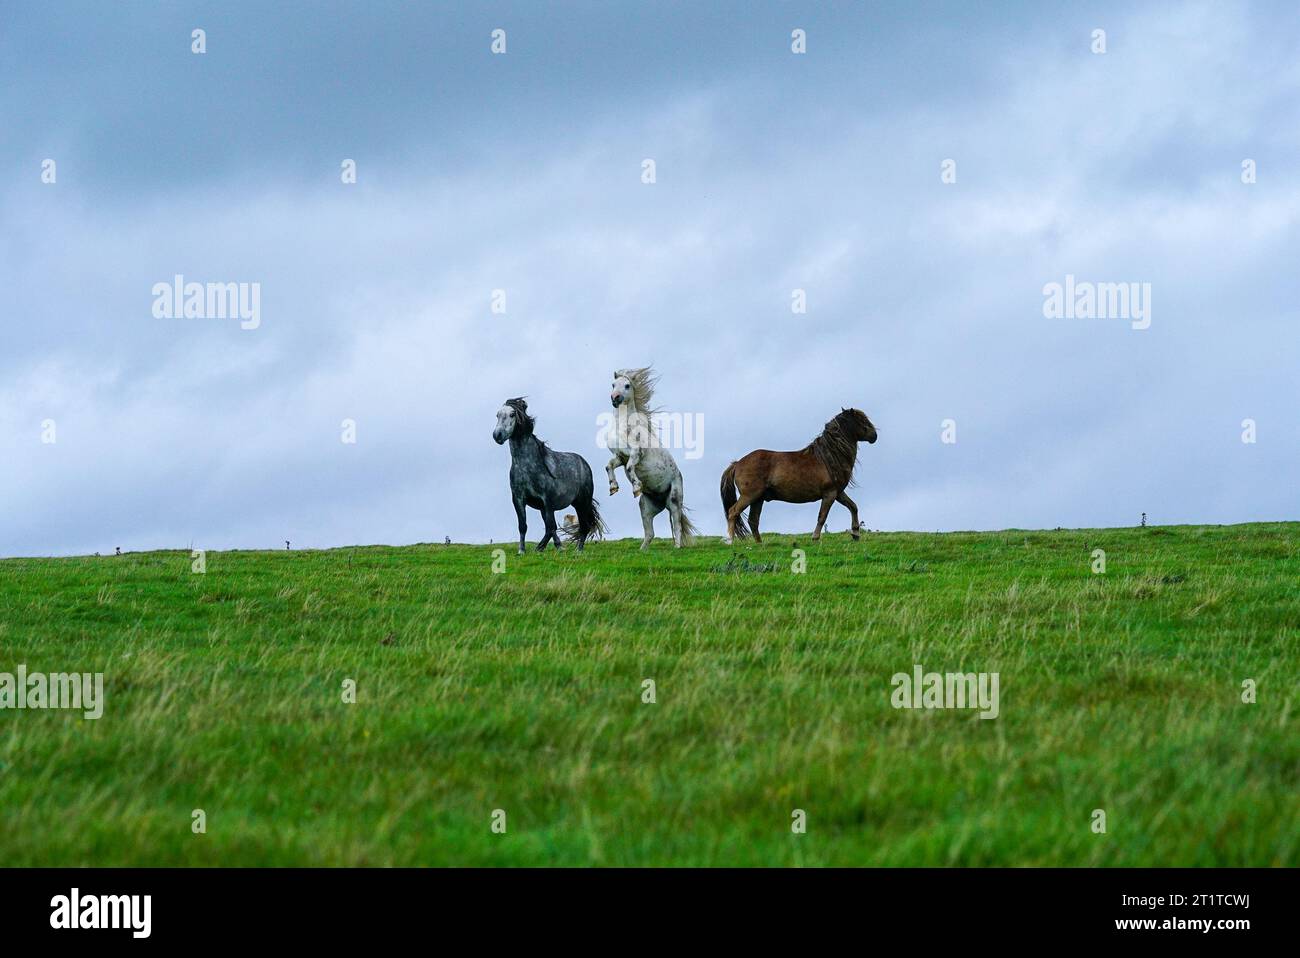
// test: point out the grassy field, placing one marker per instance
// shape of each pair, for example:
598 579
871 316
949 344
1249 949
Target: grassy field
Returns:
522 691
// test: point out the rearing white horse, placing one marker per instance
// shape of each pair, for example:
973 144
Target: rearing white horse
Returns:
650 467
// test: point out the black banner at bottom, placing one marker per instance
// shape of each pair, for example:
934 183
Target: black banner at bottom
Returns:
1219 908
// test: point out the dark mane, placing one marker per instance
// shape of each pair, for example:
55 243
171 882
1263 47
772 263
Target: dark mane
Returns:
836 450
526 426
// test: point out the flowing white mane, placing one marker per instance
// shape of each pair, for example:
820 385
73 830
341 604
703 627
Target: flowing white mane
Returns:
643 382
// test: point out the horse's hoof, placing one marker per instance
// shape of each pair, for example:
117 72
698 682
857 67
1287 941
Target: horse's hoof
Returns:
636 492
613 489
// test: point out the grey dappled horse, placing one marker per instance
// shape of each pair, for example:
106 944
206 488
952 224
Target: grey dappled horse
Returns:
545 479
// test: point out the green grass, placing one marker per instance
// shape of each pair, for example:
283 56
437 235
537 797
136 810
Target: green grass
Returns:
523 691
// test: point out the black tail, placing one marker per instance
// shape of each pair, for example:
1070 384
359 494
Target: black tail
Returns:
590 524
730 494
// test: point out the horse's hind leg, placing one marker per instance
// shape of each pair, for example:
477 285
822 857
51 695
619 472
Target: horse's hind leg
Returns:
852 506
584 524
648 513
734 518
675 510
588 523
827 502
755 510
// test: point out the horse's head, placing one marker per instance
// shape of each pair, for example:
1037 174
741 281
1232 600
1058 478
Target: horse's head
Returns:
858 425
621 391
634 387
512 420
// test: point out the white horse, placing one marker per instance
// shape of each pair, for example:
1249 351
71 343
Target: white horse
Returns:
632 442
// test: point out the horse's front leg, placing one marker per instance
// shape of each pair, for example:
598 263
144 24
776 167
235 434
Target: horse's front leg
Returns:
552 533
633 461
852 506
523 523
614 463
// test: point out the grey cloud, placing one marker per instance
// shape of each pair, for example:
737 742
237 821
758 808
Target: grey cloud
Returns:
924 300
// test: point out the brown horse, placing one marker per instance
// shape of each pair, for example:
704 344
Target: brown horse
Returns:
819 471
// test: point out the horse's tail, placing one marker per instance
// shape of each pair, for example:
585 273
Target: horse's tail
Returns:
730 495
688 530
590 523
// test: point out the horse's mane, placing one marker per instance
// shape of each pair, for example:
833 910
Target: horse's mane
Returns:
643 382
836 450
528 423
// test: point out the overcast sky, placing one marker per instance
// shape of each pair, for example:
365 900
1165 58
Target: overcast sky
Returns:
523 172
